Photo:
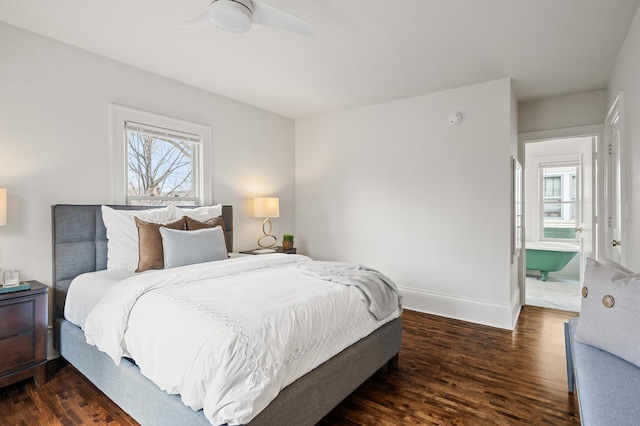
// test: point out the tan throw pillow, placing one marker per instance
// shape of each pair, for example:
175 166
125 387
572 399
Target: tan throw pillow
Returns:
150 252
193 225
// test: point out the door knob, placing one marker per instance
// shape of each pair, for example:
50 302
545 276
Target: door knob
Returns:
615 243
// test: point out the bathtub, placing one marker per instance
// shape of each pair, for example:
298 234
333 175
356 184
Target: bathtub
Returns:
549 256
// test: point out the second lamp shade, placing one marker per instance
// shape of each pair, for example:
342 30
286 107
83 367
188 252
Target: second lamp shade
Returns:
266 207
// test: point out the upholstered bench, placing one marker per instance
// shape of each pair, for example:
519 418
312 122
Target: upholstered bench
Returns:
603 348
608 387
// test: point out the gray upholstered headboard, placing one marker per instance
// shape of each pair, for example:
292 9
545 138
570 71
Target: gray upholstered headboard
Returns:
80 243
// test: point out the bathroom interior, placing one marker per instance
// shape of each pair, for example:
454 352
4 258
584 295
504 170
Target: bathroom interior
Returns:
558 182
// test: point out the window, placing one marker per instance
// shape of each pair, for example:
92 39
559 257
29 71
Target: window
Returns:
161 165
159 160
552 187
559 201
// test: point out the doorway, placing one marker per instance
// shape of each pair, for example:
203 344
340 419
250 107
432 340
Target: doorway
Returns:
559 219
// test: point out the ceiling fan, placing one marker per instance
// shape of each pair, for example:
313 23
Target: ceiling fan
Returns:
238 15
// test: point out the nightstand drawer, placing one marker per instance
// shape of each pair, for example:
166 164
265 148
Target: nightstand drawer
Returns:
16 351
16 318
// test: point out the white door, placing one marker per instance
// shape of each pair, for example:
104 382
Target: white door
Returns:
613 245
585 229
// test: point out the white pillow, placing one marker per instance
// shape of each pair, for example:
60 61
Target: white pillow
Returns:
610 314
189 247
122 234
199 213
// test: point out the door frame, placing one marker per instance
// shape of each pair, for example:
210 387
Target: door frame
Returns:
608 197
595 130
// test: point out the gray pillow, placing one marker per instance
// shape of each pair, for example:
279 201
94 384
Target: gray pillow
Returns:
189 247
610 314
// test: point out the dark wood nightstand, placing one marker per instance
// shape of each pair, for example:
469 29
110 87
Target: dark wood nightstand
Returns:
23 335
278 249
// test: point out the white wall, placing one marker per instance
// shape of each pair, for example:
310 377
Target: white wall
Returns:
582 109
54 142
395 187
626 78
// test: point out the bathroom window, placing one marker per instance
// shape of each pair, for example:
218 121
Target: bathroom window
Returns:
558 202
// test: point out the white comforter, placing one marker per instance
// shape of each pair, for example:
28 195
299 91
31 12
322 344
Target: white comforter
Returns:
229 335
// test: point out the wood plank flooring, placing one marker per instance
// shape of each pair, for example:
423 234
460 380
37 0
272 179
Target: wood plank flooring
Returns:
450 373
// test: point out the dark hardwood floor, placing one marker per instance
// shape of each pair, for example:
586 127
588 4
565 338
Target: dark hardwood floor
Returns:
450 373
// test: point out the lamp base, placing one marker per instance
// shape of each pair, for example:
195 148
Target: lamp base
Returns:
264 244
267 235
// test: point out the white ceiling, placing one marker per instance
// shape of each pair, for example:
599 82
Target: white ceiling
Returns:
365 52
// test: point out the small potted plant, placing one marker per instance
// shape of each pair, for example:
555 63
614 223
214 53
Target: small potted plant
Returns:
287 241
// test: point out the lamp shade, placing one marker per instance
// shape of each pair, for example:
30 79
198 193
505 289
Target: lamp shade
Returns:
3 206
266 207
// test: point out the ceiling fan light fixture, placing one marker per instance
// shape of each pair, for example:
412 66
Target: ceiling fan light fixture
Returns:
231 15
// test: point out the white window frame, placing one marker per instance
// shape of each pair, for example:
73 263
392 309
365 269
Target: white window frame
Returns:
120 115
564 204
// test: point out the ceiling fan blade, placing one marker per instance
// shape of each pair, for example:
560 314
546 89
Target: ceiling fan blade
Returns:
198 22
270 16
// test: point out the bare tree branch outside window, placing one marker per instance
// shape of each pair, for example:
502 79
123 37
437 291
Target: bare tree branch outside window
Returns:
158 167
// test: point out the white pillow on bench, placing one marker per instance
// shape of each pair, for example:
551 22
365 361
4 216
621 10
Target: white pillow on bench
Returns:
610 314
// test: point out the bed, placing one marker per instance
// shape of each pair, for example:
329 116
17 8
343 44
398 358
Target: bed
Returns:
80 246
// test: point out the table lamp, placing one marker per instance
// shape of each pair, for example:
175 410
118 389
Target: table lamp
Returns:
266 207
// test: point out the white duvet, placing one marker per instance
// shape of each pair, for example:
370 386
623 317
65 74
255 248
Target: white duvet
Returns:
229 335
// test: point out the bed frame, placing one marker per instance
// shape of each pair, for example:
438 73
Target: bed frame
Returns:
80 245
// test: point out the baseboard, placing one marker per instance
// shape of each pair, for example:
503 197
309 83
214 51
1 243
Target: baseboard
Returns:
501 315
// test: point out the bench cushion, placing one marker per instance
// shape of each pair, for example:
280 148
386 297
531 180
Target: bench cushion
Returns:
608 386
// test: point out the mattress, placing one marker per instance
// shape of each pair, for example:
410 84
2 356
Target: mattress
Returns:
86 290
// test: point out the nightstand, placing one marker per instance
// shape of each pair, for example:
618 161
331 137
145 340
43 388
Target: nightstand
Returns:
23 335
278 249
